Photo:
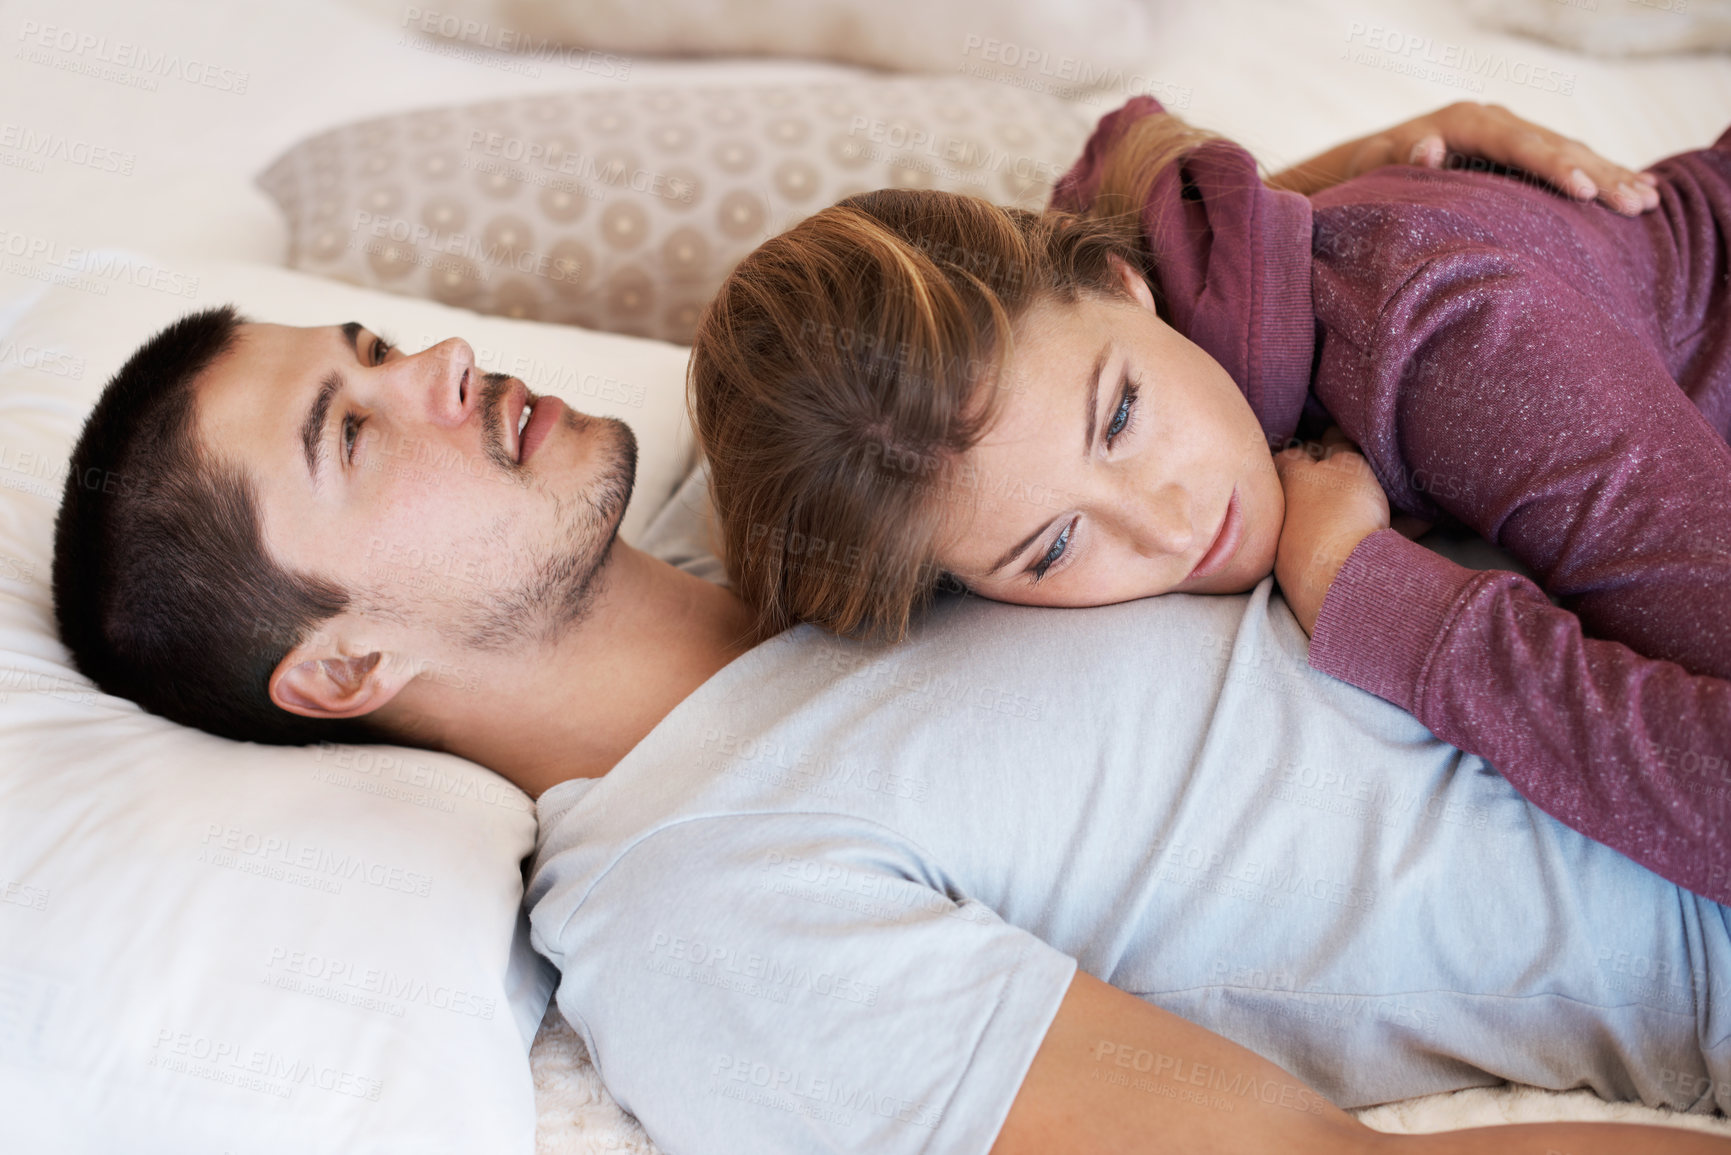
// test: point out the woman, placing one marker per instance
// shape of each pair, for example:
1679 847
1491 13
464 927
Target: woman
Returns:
899 380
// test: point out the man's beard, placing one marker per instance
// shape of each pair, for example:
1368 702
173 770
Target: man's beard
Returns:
563 581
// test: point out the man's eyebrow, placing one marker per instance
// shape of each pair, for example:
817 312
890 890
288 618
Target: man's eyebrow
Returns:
313 428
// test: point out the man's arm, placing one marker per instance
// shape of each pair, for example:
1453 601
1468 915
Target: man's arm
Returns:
1118 1074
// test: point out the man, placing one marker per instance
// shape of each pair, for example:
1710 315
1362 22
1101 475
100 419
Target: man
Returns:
227 583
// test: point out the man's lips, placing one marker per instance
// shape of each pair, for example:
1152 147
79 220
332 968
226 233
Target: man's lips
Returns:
543 419
1225 543
512 413
544 415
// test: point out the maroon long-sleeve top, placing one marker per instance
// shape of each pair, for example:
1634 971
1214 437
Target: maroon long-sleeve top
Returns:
1551 374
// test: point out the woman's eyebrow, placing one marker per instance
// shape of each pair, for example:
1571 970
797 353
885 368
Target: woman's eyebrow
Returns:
1091 418
1016 550
1090 427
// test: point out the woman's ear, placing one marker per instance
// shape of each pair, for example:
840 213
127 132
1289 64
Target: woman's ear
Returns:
1133 281
317 680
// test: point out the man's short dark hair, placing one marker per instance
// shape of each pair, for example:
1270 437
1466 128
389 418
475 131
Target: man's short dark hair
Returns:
162 586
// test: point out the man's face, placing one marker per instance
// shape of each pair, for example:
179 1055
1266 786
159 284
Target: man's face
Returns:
403 478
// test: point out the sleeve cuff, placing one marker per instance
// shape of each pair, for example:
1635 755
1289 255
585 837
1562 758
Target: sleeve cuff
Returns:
1384 615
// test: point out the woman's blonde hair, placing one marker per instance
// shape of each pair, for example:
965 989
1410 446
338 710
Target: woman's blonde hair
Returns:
848 364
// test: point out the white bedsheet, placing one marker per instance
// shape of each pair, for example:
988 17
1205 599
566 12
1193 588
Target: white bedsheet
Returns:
1285 78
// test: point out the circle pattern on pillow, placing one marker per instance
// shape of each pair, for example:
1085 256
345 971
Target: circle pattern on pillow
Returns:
624 210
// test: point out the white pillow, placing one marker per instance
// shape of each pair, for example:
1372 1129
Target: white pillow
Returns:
1635 28
212 946
1059 46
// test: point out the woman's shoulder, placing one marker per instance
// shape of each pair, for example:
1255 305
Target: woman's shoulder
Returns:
1076 189
1405 212
1376 236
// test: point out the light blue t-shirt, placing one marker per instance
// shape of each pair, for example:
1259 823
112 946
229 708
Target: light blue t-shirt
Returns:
832 902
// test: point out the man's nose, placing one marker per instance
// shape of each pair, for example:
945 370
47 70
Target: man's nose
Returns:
442 380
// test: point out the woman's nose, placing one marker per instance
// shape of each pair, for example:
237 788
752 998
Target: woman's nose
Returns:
1161 523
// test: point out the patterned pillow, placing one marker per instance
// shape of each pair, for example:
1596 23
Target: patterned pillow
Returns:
624 210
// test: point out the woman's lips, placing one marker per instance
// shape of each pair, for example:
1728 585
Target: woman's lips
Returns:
1225 541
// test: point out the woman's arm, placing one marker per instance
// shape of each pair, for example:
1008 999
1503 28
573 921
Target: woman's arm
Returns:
1630 751
1117 1074
1483 130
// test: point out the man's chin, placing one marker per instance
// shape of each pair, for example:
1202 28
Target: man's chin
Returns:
621 475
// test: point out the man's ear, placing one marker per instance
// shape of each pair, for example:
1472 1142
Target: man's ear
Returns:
316 679
1133 281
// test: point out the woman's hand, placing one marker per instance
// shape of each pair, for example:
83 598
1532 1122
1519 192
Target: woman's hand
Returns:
1333 502
1483 130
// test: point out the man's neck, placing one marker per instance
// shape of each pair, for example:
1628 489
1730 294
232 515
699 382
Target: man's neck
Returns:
653 635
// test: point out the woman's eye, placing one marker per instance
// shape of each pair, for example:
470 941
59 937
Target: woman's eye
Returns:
1126 410
380 348
1051 556
351 433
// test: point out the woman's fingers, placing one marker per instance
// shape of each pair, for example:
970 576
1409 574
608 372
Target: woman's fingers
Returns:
1333 502
1489 131
1334 441
1493 132
1430 151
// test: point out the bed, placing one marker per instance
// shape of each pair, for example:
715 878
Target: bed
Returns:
104 152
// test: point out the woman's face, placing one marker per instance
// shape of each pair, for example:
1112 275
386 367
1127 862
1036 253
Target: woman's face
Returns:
1124 462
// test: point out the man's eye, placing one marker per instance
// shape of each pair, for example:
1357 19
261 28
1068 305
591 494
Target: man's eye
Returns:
1052 555
351 433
